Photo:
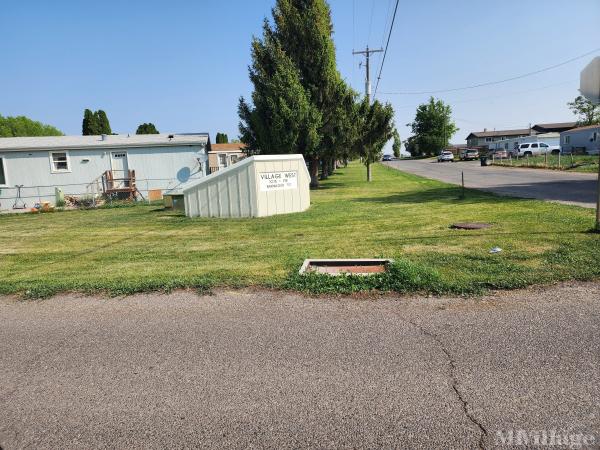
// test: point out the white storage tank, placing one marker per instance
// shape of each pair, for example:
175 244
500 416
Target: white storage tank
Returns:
262 185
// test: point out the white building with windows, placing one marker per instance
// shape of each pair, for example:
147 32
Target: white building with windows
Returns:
485 137
86 165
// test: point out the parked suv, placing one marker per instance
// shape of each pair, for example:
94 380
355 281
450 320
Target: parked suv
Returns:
536 148
445 155
468 154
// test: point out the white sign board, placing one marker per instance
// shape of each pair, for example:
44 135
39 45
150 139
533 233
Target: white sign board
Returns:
276 181
589 84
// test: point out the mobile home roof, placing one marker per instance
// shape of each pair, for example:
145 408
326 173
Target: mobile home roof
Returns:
15 144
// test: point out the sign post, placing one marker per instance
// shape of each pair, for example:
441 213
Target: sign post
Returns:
589 86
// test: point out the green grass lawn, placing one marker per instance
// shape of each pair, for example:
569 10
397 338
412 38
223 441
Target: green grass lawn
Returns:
398 215
575 163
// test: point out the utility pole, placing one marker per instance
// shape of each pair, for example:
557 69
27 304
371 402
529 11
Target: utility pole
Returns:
367 54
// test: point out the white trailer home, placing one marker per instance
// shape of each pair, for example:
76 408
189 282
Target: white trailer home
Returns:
581 140
91 165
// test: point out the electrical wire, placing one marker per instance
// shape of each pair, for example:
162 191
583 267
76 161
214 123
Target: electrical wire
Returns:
386 47
479 99
491 83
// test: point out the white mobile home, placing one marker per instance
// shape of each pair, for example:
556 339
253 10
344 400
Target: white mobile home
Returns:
84 165
581 140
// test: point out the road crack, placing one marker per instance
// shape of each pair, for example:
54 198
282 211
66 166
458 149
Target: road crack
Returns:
483 433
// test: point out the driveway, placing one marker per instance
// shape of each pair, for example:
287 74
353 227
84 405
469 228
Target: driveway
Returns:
276 370
552 185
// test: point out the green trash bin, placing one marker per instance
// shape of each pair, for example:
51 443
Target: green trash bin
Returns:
484 160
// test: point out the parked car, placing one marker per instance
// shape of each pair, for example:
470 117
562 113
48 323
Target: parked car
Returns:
386 158
498 154
468 154
445 156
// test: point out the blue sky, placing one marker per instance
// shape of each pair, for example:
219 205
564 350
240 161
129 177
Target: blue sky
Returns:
183 64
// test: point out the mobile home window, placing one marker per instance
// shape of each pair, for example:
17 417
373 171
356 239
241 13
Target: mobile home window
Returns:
60 161
489 139
567 139
2 176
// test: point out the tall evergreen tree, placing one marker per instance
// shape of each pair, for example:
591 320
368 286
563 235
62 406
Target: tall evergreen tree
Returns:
95 123
221 138
281 119
89 126
302 33
103 123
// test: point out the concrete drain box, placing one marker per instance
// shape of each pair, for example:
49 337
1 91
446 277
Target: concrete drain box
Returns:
345 266
258 186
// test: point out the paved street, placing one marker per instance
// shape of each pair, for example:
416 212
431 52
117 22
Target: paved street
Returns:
564 187
270 369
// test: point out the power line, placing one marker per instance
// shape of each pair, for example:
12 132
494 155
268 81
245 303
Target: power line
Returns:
386 46
385 27
509 94
490 83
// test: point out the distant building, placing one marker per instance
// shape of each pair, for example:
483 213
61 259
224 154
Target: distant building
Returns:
553 127
485 137
581 140
221 156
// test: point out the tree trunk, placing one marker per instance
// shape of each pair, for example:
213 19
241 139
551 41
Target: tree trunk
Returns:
324 171
333 166
313 168
368 170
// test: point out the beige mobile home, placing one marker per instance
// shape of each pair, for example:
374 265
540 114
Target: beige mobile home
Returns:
262 185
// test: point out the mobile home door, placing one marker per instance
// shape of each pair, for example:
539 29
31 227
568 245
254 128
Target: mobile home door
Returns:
120 168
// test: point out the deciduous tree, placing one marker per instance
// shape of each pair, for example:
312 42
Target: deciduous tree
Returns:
433 127
376 126
396 146
147 128
587 112
22 126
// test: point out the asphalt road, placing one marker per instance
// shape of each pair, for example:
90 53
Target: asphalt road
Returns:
553 185
268 369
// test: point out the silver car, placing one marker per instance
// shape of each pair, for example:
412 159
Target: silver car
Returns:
445 155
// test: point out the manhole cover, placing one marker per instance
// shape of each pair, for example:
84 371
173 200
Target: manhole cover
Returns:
345 266
470 226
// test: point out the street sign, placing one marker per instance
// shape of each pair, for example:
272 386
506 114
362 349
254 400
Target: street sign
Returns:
589 84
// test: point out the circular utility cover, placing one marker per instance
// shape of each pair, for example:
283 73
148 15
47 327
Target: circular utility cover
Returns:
470 226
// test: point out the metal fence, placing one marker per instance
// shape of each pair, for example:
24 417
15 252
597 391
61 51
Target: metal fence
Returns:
20 197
